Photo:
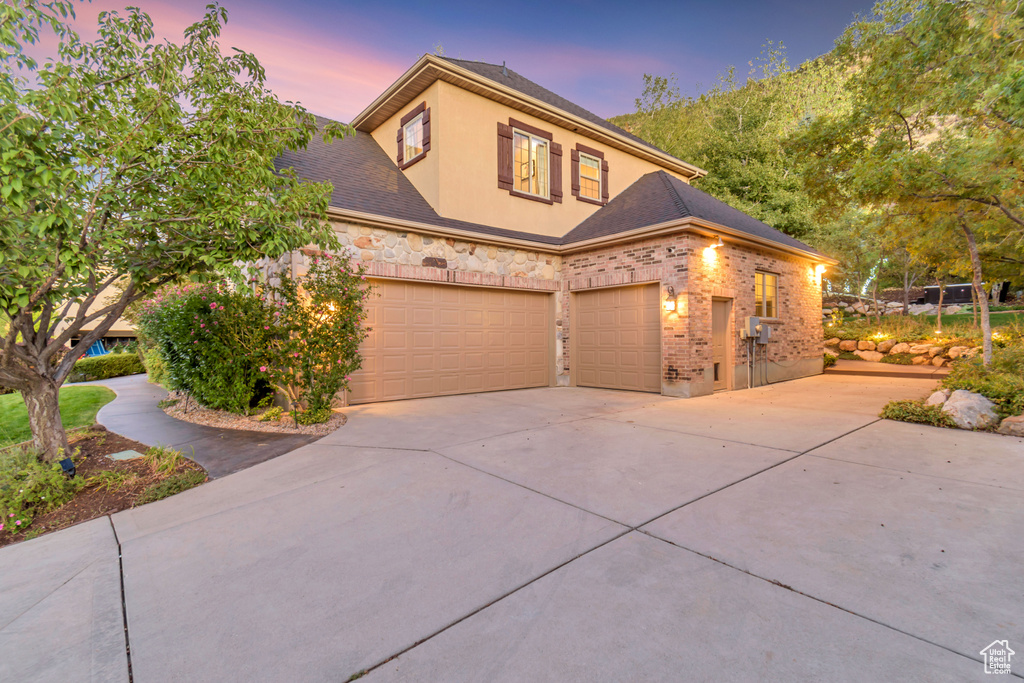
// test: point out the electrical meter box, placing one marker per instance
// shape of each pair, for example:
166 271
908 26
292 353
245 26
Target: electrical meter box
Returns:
764 333
750 328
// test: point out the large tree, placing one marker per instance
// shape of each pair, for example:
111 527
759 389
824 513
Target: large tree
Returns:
936 127
130 162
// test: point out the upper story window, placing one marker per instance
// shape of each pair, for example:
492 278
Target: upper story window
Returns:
589 175
531 164
766 295
414 136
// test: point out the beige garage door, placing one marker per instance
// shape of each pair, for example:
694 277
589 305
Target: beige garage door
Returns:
430 340
618 338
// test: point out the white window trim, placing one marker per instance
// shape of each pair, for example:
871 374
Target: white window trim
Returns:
597 162
405 138
534 139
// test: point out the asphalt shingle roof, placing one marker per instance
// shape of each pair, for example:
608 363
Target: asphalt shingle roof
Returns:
509 78
367 180
659 198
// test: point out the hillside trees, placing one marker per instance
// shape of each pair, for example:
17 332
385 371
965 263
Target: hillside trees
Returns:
735 130
935 127
131 162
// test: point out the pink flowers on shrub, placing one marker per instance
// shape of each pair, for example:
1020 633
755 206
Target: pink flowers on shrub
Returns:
263 368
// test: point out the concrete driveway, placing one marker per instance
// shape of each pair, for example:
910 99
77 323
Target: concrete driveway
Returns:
782 533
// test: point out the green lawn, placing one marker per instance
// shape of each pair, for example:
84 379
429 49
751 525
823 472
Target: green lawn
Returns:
78 408
996 318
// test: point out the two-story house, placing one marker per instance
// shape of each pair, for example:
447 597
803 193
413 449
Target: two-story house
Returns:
517 240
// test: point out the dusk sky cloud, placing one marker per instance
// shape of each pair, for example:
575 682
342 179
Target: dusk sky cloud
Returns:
336 57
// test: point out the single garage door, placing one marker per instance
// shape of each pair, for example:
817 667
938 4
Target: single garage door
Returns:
618 338
430 340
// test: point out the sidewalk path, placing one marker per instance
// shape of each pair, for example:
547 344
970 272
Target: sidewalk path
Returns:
134 413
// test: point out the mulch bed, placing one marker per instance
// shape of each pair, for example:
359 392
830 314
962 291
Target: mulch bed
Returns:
94 445
187 410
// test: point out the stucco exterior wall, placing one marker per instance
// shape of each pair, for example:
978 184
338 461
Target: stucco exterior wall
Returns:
425 173
464 149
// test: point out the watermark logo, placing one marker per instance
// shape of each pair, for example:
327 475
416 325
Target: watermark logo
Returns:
997 657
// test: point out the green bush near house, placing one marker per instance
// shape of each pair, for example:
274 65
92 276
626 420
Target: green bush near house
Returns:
898 359
105 367
830 360
917 412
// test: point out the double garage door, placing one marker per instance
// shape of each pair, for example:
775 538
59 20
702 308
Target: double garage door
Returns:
618 337
431 340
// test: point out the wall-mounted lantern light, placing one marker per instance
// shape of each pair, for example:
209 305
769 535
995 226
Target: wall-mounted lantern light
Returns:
670 299
819 269
719 243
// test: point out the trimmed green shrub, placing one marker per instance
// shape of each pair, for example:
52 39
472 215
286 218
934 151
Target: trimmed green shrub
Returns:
105 367
830 360
311 417
155 367
917 412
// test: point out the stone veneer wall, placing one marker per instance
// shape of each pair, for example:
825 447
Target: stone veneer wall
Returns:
676 260
679 261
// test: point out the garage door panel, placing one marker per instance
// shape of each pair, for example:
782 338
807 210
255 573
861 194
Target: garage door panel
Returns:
429 339
619 338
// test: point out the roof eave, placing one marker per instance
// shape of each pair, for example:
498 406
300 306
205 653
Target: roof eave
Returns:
371 117
689 223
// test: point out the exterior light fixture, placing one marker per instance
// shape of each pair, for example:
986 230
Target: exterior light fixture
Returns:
67 466
819 269
718 244
670 300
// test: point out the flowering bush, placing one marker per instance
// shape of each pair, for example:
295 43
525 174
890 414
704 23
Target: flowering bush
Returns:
212 341
30 487
229 347
320 317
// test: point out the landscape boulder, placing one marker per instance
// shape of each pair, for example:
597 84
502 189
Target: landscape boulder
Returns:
885 346
938 361
920 360
953 310
870 356
902 347
957 351
1012 426
866 345
970 411
934 351
938 398
834 341
847 345
920 348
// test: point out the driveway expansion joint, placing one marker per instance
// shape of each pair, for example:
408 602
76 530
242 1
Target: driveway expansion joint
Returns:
779 584
124 604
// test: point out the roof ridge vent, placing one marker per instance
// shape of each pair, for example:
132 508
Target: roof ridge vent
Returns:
677 198
504 71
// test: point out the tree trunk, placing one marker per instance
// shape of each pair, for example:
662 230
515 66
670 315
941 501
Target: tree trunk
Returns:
48 435
907 284
979 290
974 308
942 292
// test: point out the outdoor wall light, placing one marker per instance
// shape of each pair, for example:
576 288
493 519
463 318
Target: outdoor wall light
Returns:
670 300
819 269
718 244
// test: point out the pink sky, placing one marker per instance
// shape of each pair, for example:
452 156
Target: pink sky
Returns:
332 78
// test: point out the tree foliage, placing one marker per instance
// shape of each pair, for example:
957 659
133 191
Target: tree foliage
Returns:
935 127
735 131
127 160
